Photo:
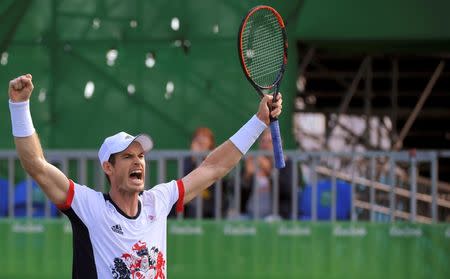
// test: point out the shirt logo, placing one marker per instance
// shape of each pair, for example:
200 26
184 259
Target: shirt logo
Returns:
117 228
140 262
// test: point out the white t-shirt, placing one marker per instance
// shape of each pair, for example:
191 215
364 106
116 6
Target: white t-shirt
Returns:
109 244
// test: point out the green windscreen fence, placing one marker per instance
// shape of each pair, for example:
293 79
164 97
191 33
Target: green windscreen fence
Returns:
154 67
382 26
43 249
166 69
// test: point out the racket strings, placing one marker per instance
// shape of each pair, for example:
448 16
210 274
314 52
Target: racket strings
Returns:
263 47
265 51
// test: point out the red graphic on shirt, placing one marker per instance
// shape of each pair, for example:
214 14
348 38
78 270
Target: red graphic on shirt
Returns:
140 263
160 262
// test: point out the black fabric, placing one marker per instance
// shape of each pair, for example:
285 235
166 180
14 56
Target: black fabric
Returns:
83 254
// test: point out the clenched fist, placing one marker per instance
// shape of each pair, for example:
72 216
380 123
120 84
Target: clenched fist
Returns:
20 88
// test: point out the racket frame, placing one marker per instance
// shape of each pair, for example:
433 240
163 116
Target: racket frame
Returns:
261 89
274 126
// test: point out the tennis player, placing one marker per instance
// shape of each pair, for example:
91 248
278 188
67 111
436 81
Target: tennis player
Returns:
122 234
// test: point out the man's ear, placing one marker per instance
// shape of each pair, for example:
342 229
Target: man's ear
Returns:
107 167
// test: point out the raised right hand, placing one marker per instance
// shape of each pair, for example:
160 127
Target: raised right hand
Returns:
266 102
20 88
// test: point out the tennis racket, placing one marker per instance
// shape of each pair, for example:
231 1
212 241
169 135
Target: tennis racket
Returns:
262 48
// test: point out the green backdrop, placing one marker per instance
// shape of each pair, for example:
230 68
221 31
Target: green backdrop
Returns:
42 249
382 26
64 45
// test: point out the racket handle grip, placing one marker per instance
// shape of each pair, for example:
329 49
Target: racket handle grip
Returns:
277 147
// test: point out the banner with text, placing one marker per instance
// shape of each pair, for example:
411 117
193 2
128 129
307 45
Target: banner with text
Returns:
208 249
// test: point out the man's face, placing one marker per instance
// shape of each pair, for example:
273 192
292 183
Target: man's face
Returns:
201 143
128 172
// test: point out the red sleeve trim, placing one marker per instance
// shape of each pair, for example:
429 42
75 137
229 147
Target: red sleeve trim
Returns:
70 193
180 202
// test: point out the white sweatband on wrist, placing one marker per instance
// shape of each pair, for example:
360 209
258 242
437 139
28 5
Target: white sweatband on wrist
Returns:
22 124
248 134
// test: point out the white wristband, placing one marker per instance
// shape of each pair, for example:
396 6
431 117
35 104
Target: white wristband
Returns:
22 124
248 134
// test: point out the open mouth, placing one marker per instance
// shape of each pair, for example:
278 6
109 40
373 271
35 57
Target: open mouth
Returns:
136 174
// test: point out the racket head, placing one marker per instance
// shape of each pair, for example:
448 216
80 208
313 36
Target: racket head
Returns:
262 48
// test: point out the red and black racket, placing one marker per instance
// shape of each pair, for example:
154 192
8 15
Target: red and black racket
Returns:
262 47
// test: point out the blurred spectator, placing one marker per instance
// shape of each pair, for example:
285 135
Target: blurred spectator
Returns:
263 178
202 141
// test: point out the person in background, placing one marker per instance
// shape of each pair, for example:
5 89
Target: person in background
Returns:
202 142
264 183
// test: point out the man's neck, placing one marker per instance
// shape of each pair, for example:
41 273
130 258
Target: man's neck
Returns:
127 202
